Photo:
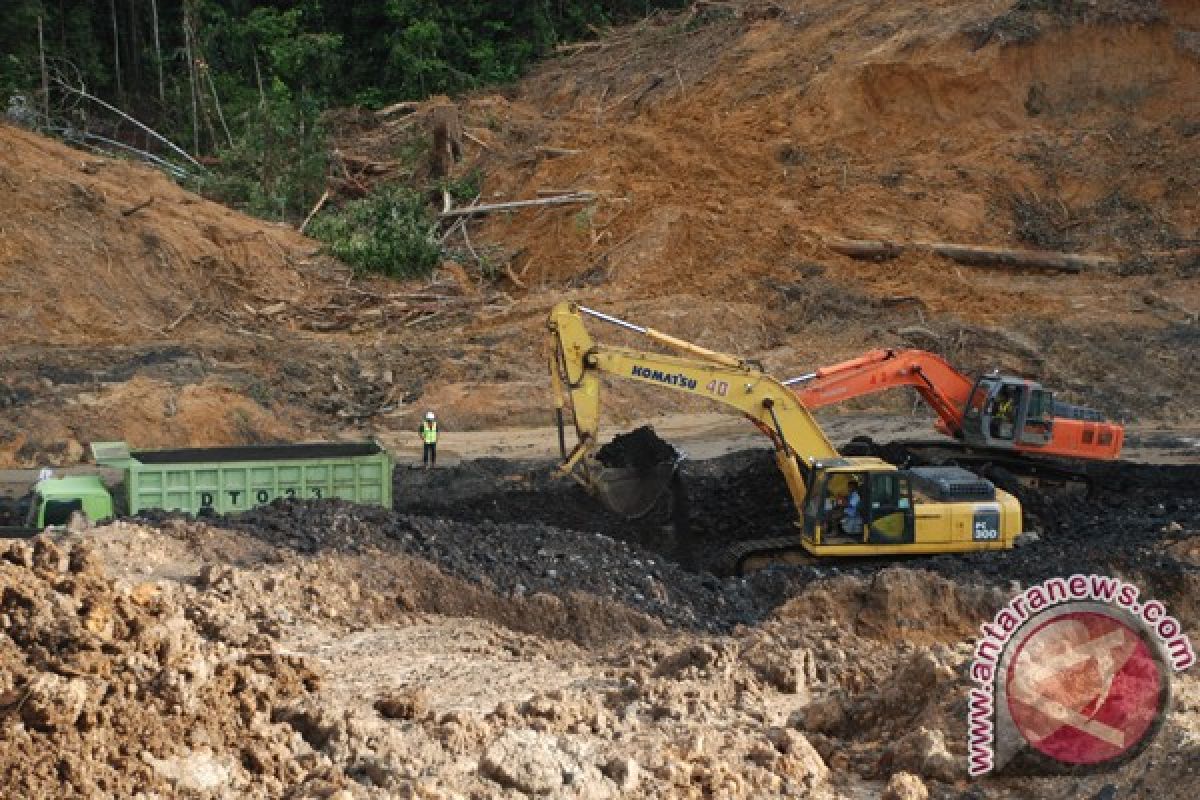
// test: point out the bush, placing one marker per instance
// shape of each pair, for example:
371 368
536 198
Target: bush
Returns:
389 232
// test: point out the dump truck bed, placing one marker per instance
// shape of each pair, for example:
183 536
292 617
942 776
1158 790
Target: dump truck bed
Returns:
222 480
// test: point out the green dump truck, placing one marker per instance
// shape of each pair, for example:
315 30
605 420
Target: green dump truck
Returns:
211 480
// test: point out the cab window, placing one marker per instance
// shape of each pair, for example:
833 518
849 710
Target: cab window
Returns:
837 489
1040 404
885 491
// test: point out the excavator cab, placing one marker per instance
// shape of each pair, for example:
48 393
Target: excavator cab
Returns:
1005 412
884 514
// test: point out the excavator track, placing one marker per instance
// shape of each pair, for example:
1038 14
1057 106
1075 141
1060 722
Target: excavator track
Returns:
752 555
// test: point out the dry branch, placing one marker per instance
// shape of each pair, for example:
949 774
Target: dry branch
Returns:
577 46
555 152
179 320
363 164
320 204
487 208
87 96
476 140
512 276
129 212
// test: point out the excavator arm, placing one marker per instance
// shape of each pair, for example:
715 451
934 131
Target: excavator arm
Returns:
577 364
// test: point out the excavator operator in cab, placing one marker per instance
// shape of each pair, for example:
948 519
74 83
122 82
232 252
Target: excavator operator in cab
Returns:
852 521
844 506
1004 418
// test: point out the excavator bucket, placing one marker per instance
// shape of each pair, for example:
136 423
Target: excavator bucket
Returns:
636 470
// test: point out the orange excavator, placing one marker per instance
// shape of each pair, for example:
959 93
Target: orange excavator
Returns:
993 416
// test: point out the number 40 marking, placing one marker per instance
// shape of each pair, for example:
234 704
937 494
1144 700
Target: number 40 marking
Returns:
719 388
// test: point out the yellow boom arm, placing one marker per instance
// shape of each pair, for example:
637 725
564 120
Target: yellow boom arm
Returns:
576 363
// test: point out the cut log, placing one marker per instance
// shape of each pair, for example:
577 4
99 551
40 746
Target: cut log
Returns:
866 249
1031 259
972 255
487 208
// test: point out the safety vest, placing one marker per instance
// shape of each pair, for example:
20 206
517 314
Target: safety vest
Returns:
429 432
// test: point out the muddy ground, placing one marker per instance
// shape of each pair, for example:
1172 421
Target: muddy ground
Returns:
500 635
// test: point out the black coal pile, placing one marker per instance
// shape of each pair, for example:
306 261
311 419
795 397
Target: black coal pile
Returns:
517 559
639 449
515 528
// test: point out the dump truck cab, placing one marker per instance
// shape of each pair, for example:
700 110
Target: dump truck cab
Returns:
55 499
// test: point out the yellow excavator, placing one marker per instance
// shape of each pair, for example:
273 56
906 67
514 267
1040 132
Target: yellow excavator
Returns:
844 506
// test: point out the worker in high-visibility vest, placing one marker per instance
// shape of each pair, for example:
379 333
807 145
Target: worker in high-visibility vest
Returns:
429 436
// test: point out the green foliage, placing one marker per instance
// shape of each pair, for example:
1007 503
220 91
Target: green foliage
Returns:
390 232
276 166
464 188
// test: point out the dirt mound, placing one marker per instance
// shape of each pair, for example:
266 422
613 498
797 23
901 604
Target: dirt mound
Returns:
174 265
128 694
725 145
136 310
846 674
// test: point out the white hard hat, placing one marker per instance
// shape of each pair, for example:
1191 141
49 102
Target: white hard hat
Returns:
430 415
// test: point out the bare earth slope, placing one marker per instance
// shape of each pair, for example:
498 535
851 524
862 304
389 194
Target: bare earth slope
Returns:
730 142
727 143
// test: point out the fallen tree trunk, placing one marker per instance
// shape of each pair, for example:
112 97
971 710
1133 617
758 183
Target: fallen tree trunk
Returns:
1033 259
487 208
973 255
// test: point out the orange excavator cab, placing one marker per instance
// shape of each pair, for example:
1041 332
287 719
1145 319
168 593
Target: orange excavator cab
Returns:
1009 413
